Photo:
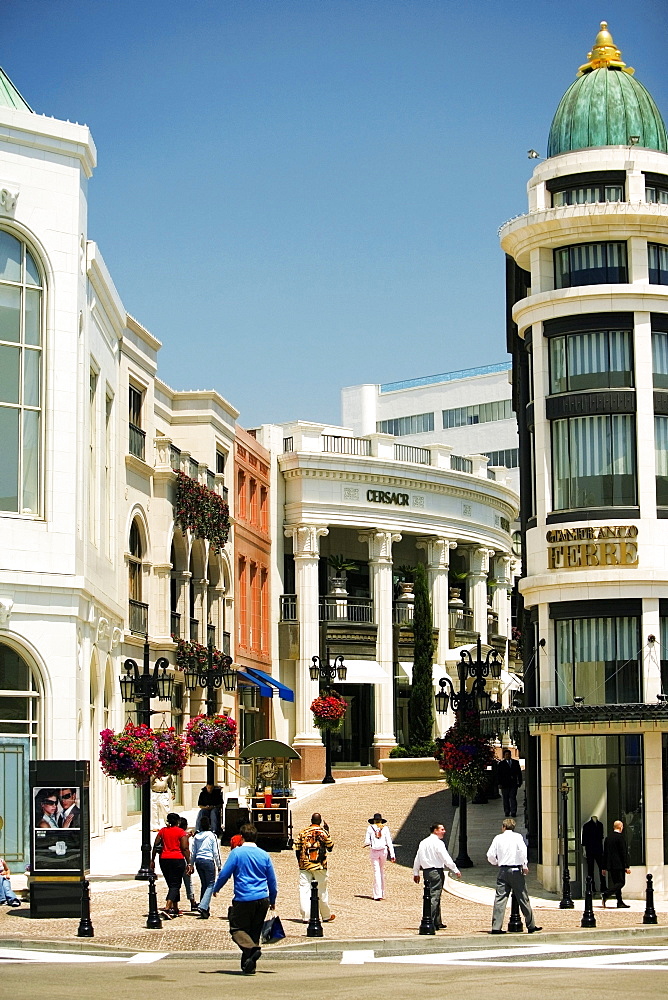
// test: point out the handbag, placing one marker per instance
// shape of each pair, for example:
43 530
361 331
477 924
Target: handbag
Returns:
272 930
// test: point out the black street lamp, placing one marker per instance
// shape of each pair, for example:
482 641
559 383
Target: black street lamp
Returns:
566 902
326 673
211 678
140 687
462 701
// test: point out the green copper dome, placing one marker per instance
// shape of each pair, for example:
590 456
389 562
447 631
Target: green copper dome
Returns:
9 95
605 106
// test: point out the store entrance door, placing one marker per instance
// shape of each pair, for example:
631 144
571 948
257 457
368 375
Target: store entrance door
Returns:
351 746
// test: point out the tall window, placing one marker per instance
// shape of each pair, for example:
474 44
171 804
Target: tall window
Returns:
134 563
20 377
657 255
418 423
508 457
600 360
598 659
92 455
661 459
593 462
660 359
242 637
241 494
480 413
137 436
19 699
586 195
107 491
590 264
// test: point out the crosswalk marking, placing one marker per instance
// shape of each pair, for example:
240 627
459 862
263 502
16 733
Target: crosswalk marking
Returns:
24 956
533 956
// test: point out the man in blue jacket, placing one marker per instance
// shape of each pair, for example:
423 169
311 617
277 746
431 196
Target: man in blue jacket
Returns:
254 893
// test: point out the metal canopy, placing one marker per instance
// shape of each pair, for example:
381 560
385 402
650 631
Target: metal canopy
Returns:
269 748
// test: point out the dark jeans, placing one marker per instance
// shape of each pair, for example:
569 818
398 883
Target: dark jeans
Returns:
246 921
592 861
509 796
207 876
616 882
434 878
173 869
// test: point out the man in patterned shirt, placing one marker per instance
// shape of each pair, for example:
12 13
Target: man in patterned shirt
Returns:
312 847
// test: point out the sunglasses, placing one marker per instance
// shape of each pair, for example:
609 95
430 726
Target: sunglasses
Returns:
50 802
67 796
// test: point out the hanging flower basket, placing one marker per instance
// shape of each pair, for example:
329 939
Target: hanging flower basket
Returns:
211 735
200 510
191 655
464 756
328 712
171 750
130 755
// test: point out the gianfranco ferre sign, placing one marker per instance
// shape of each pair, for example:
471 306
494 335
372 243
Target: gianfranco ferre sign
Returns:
573 548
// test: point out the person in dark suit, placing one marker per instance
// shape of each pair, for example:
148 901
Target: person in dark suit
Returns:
69 815
592 841
509 779
617 864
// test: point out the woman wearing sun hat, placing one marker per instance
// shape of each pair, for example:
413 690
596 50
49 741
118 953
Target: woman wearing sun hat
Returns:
379 840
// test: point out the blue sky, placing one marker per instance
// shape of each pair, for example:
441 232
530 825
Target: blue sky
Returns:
297 195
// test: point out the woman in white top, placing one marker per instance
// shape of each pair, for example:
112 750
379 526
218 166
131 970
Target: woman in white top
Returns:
379 840
206 858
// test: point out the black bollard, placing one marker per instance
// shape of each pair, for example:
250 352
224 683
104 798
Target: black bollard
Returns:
314 928
85 925
153 921
649 916
588 918
515 925
426 924
566 902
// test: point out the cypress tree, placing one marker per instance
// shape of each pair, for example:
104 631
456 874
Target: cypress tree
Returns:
420 710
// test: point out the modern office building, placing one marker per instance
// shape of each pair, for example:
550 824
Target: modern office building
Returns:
587 269
469 410
353 515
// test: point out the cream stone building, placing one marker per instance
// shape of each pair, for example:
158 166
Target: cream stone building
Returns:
588 289
352 515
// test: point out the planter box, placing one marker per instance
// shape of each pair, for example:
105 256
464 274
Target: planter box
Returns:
410 768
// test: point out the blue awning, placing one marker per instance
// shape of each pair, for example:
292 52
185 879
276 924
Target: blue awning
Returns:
284 692
265 690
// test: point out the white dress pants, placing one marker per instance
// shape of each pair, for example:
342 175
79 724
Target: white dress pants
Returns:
305 879
378 865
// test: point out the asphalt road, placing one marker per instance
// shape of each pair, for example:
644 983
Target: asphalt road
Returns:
562 970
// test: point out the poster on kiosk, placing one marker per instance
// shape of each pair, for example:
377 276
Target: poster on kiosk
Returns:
60 836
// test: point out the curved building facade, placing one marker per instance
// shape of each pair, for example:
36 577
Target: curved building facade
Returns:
587 270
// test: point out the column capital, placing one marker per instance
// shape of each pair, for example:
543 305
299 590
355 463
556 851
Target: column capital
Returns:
305 539
437 549
380 544
480 558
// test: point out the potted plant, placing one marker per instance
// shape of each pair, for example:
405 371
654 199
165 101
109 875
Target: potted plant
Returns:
341 565
211 735
328 711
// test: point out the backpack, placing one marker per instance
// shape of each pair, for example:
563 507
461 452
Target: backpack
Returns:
312 846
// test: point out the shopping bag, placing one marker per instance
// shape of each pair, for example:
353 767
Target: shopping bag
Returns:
272 930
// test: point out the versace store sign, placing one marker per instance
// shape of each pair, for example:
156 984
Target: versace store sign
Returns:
575 548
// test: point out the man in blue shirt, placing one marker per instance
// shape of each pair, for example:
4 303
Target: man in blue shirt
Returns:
254 893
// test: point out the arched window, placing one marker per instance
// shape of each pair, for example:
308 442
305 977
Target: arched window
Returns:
138 611
21 337
19 697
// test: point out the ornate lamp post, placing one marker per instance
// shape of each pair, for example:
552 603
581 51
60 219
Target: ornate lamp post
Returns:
211 678
462 701
566 902
140 687
326 673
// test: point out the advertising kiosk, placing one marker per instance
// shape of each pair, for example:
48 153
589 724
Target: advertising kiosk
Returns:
59 836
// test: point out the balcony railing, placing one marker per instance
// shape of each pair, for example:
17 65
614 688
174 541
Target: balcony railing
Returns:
409 453
193 468
136 441
225 644
174 457
288 606
194 630
175 624
210 479
211 634
138 617
402 612
225 494
346 445
460 464
346 609
461 619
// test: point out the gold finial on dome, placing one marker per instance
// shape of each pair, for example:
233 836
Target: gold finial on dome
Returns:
605 54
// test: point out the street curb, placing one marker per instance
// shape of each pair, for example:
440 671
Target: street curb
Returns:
322 950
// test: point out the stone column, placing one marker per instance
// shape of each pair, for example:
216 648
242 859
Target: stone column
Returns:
503 584
182 601
161 621
477 580
380 578
307 740
201 589
438 564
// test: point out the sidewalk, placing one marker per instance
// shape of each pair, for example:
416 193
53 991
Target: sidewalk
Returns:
119 904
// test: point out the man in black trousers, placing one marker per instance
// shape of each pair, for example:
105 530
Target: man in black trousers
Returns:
592 841
617 863
509 778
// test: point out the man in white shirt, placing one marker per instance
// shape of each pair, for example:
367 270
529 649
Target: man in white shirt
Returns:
433 859
509 852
